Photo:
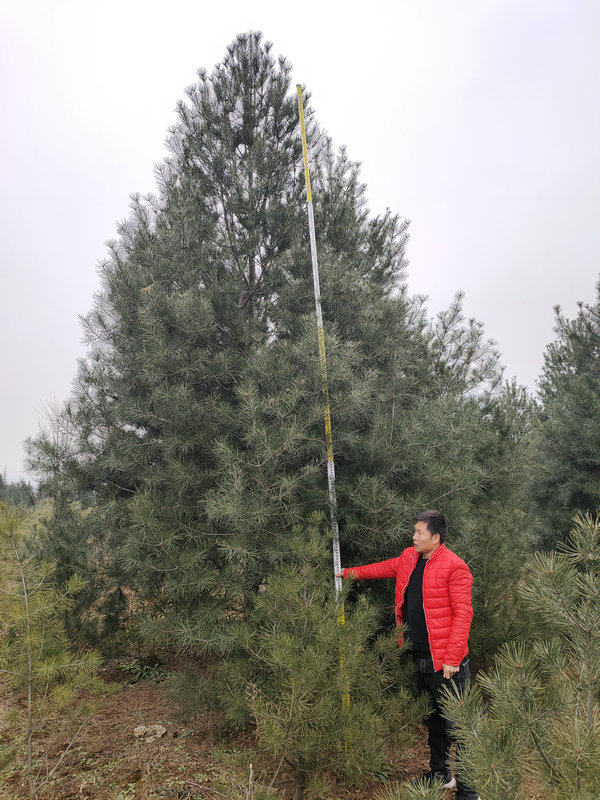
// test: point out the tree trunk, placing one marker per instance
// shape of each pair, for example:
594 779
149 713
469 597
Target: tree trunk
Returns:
300 773
252 285
591 683
30 780
300 785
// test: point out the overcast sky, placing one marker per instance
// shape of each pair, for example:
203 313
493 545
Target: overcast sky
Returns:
478 120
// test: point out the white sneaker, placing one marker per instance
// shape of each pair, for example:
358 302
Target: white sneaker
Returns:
449 782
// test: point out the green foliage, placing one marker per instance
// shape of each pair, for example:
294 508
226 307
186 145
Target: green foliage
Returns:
497 533
143 672
20 492
67 535
495 543
536 712
193 440
194 692
298 663
51 683
567 443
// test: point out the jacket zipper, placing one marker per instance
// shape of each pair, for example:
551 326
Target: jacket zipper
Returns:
424 612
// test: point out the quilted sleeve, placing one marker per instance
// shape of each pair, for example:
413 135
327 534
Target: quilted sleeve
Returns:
381 569
460 582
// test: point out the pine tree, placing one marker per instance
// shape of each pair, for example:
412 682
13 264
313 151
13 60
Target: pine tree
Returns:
297 664
499 534
195 429
47 679
567 445
189 293
536 713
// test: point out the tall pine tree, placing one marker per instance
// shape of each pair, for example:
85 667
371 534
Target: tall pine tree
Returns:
195 427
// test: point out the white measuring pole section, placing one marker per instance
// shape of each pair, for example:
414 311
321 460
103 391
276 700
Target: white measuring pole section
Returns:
337 562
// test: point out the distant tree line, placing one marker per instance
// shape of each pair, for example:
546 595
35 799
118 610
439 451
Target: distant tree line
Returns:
17 492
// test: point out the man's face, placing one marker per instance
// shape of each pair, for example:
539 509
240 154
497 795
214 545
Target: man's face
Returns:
423 541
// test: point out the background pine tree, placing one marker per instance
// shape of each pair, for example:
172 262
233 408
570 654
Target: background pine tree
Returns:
567 442
500 531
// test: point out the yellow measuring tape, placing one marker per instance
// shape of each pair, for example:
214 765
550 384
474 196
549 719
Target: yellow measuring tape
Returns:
337 562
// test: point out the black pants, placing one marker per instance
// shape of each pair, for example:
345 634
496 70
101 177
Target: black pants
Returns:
440 729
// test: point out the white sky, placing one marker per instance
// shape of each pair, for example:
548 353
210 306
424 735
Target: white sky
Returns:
478 120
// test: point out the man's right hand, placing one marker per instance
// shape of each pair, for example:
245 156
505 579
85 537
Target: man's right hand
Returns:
339 574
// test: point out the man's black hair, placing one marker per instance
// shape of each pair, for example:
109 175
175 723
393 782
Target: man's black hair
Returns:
435 522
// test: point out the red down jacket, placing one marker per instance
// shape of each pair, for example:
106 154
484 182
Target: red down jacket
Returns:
447 582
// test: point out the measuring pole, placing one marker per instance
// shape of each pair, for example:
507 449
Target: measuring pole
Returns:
337 561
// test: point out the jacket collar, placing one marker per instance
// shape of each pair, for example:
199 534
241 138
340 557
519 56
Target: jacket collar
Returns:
433 556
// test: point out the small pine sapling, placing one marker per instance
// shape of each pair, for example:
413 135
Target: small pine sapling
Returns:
299 662
51 686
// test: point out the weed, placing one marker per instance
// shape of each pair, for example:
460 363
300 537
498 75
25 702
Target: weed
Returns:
143 672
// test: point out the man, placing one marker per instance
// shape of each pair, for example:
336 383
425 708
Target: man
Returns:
433 600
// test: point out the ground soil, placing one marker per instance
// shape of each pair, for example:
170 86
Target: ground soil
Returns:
196 760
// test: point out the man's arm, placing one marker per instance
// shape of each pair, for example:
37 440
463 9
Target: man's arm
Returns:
380 569
459 589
